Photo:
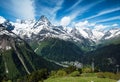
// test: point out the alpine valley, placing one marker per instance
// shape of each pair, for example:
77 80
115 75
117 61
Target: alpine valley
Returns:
28 45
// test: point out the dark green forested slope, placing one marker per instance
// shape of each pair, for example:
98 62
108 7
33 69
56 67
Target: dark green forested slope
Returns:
58 50
105 58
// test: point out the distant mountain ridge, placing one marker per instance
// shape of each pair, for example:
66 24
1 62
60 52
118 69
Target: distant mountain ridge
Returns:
31 29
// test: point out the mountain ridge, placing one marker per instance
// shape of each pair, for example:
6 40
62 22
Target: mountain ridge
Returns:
44 28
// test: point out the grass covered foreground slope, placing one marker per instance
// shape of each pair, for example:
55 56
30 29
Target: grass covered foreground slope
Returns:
71 74
58 50
79 79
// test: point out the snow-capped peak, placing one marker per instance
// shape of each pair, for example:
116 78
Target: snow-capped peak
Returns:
43 28
112 33
42 21
2 20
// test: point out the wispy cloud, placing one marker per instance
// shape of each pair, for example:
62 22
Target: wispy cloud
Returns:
56 8
109 19
73 6
104 12
23 9
50 11
83 9
115 25
87 24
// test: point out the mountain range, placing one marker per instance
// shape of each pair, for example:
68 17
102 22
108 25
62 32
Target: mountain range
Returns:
77 34
57 44
31 29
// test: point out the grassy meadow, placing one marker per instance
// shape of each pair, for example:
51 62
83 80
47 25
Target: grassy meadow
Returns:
79 79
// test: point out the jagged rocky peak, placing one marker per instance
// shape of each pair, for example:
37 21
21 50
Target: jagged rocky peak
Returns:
43 20
6 25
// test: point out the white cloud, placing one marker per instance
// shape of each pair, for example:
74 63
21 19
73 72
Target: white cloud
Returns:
104 12
2 20
56 8
84 24
115 25
73 6
23 9
50 11
109 19
65 21
81 10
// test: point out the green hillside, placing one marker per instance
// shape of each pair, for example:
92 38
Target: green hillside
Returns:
105 58
58 50
79 79
115 40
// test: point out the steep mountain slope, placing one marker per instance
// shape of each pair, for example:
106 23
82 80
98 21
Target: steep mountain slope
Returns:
105 58
17 58
58 50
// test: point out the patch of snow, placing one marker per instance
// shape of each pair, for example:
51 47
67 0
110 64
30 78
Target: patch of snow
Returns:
8 47
2 20
97 35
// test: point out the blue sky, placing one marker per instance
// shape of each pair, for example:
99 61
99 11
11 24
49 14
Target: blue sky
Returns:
64 12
